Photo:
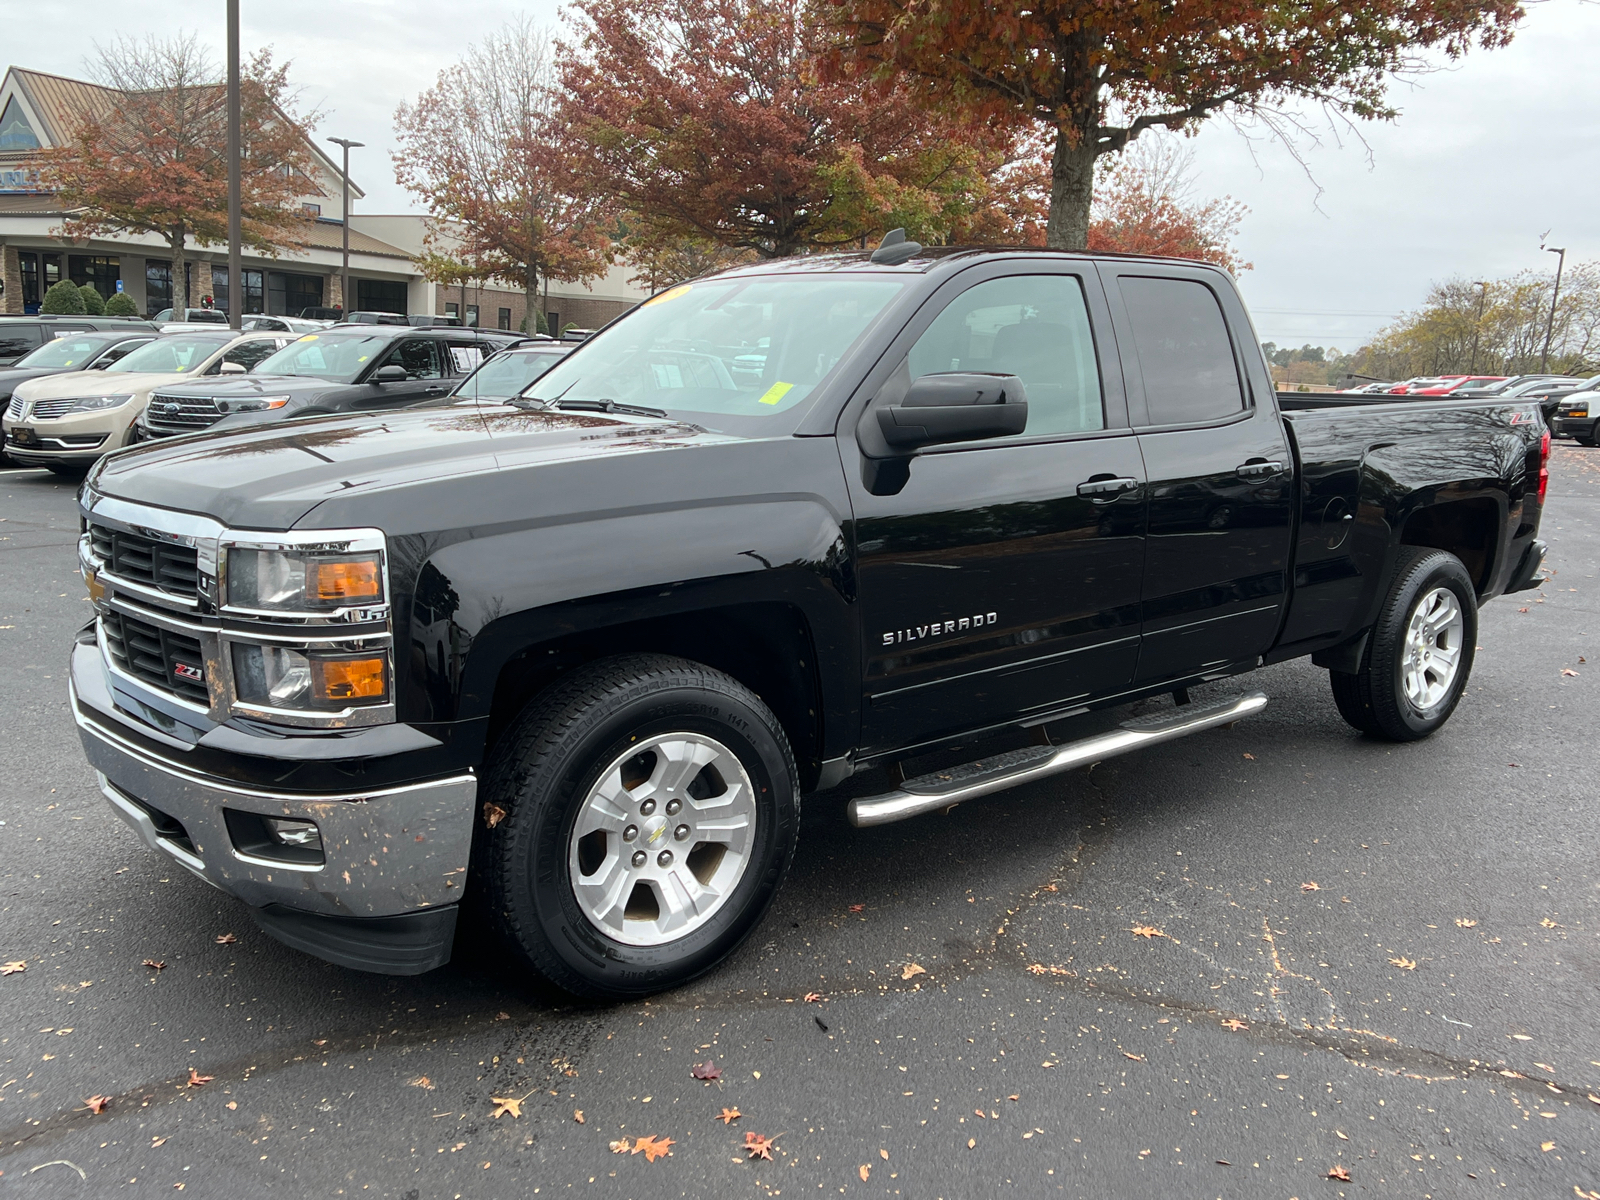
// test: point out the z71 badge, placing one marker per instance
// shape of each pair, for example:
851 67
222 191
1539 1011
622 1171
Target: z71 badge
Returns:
939 628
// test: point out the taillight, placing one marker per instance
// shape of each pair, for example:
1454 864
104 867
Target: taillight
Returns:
1544 464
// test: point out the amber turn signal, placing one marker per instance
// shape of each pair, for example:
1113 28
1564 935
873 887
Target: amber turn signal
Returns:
350 580
347 678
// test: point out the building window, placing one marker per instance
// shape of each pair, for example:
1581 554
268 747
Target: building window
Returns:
28 262
452 309
503 318
289 295
158 285
101 272
472 314
15 132
381 295
254 291
553 321
310 209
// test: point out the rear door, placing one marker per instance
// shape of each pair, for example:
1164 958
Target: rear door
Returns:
1000 582
16 339
1219 465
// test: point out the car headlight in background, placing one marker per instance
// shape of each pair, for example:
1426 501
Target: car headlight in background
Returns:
278 677
100 403
303 582
255 404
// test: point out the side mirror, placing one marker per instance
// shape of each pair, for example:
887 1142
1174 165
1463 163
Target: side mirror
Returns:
233 368
393 373
955 407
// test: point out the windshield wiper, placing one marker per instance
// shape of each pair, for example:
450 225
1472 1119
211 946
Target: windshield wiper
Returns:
608 406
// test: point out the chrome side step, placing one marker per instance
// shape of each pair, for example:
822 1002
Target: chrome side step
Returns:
941 789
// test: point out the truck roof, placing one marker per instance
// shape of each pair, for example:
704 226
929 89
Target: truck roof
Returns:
929 257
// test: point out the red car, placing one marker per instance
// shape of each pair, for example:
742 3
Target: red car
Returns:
1449 383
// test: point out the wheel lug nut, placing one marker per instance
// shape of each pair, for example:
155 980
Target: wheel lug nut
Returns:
665 858
640 858
681 832
673 806
648 807
631 832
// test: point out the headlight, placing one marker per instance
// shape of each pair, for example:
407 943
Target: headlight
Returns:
98 403
258 404
303 582
277 677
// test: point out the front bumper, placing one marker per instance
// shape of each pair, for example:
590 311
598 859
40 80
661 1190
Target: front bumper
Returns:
79 439
1564 426
394 859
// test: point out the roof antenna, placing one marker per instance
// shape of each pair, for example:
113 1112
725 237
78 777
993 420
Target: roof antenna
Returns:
894 249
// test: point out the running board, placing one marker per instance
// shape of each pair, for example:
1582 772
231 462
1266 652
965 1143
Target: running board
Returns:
941 789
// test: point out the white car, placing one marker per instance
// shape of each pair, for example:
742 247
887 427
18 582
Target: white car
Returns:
65 422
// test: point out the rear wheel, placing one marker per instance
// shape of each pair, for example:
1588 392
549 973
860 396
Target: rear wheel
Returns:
1419 654
639 819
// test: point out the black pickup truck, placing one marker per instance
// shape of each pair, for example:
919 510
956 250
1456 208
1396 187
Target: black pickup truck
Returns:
574 660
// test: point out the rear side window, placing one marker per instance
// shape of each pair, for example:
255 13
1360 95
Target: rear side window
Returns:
1184 353
17 340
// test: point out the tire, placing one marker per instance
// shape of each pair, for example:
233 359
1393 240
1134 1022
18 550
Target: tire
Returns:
1409 684
1584 439
69 470
568 776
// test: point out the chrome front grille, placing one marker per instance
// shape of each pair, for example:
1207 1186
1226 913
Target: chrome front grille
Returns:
173 569
51 410
181 414
16 408
173 662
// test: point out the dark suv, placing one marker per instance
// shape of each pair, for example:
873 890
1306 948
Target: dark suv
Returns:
346 368
20 335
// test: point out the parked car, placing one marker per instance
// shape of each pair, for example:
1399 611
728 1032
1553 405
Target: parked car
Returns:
94 350
1578 413
373 318
321 313
505 376
266 323
192 316
585 658
1407 385
346 368
66 421
1520 385
426 320
20 335
1452 383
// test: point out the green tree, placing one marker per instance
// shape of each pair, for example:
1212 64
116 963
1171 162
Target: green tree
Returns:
119 304
93 303
63 297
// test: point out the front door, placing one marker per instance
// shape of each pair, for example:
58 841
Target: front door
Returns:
425 375
1000 583
1220 472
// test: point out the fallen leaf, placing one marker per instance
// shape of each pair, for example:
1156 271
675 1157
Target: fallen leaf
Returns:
154 964
1546 1066
1016 1097
1310 887
821 1024
502 1016
1522 610
226 939
577 1115
319 1041
1522 1037
1222 1162
621 1146
157 1141
1467 922
97 1104
707 1071
231 1105
865 1171
756 1146
1135 1057
1593 1099
1342 1135
422 1081
493 814
1569 671
911 969
729 1115
1338 1172
1250 756
1547 923
883 1154
815 997
1234 1023
14 968
504 1105
198 1080
971 1142
857 907
1146 931
1405 964
1547 1146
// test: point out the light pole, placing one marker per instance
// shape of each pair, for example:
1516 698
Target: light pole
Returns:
1555 292
1483 294
344 223
235 270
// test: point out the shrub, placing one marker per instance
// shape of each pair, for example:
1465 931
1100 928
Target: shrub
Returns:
63 297
118 304
540 324
93 303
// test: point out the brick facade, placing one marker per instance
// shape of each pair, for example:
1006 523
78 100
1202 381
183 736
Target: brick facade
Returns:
11 273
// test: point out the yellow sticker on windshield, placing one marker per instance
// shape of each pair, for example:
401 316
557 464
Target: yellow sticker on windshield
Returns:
775 393
669 294
310 337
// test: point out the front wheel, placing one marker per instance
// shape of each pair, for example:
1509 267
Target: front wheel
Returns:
1419 654
637 821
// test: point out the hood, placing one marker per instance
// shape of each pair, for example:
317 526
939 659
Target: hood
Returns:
273 477
10 377
225 387
96 383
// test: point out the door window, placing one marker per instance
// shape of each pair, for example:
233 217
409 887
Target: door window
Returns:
420 358
17 340
465 357
122 349
1184 353
1035 327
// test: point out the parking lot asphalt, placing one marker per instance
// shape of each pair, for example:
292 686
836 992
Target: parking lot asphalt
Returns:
1240 965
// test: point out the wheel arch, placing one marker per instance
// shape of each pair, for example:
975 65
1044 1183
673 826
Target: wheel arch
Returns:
1469 528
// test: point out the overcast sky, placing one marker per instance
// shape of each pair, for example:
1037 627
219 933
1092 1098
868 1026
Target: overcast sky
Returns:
1487 155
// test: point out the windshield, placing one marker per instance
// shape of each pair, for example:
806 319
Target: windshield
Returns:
71 351
724 353
506 375
177 352
336 356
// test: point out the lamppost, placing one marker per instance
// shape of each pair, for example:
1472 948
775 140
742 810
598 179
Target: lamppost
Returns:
235 271
1483 294
1555 292
344 223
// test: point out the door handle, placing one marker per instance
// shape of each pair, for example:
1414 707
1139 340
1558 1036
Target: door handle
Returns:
1106 487
1258 468
435 390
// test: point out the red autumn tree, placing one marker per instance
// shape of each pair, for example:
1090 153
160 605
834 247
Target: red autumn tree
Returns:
481 149
151 157
1145 204
708 120
1094 74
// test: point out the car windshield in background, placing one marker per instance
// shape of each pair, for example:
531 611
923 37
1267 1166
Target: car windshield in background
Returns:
506 375
722 352
336 356
176 352
62 352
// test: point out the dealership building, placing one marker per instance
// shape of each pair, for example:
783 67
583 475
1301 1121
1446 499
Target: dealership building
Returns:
38 111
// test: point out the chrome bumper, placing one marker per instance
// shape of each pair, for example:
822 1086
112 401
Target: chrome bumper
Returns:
386 852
